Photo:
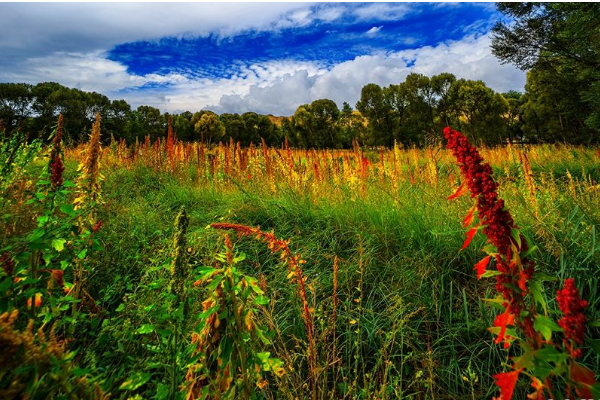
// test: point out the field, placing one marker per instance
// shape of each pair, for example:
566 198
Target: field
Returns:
227 272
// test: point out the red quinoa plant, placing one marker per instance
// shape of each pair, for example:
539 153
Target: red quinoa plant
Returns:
550 364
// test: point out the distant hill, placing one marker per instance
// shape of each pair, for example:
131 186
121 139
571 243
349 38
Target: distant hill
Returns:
278 121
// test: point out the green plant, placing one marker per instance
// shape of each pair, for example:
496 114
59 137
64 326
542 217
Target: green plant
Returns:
229 339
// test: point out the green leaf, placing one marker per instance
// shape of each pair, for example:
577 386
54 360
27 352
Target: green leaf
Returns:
82 254
490 273
595 324
544 277
241 257
545 326
550 354
145 329
261 300
68 209
43 220
529 252
120 308
36 235
136 380
516 235
496 303
59 244
536 289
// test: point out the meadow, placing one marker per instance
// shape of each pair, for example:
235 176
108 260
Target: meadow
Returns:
169 269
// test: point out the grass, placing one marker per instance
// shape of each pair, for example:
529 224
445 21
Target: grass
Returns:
410 319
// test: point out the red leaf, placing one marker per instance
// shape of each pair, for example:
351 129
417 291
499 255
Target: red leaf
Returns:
470 235
459 192
506 382
481 266
539 390
523 281
506 318
57 275
468 220
585 378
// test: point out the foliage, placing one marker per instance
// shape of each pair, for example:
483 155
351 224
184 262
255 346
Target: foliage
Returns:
549 365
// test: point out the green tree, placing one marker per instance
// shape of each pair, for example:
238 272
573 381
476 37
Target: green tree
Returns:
351 125
209 128
480 111
560 43
15 104
324 117
373 106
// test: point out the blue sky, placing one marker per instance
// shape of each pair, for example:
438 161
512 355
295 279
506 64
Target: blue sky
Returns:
237 57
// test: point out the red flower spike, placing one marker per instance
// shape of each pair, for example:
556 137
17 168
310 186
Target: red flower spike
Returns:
481 266
462 189
506 382
573 322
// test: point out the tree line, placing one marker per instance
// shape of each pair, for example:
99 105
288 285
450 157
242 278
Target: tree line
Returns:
557 43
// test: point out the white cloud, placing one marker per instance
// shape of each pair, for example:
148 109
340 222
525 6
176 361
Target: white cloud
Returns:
276 87
38 44
469 58
383 11
42 28
373 31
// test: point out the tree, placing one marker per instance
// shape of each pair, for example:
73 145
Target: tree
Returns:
234 128
209 128
372 105
352 126
513 117
480 110
441 86
15 104
561 43
324 117
258 126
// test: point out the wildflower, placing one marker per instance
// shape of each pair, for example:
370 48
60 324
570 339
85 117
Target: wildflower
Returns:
56 165
88 185
294 265
57 276
179 265
498 224
56 175
573 322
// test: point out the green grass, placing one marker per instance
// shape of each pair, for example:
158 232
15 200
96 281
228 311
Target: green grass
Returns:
421 301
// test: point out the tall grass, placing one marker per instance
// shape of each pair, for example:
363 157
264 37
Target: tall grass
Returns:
394 309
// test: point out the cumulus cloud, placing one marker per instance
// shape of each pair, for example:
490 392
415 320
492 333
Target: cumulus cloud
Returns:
470 58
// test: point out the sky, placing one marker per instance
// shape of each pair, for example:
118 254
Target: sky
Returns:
237 57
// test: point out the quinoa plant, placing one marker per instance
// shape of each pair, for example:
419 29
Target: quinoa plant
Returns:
550 364
229 339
